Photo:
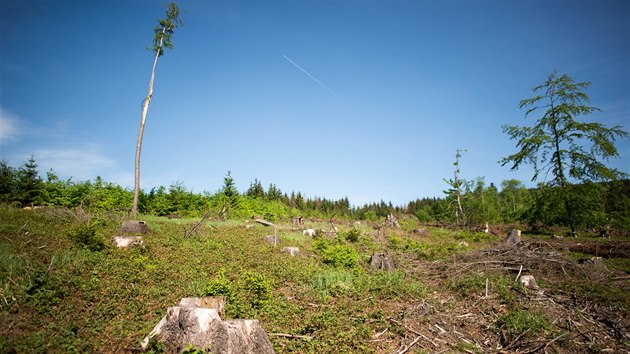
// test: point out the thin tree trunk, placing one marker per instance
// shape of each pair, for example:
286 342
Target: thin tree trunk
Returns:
562 179
460 210
145 109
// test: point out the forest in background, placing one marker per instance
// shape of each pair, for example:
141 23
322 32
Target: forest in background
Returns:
602 208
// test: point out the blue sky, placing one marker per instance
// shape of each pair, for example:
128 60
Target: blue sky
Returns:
364 99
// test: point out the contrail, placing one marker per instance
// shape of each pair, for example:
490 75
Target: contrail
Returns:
313 78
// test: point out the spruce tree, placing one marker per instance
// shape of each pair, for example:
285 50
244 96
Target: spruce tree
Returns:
559 145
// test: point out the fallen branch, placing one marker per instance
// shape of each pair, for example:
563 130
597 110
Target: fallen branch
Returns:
413 331
51 264
379 334
23 226
293 336
519 273
407 347
545 345
197 225
265 222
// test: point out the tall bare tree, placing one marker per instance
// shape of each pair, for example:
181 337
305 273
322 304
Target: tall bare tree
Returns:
456 188
163 32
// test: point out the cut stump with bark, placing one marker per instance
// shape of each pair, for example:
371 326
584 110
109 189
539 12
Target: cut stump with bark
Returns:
513 238
203 328
293 251
134 227
382 261
127 241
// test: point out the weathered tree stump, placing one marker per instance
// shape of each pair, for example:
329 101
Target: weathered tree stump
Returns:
309 232
293 251
392 221
513 238
134 227
421 231
208 302
528 281
203 328
127 241
272 239
382 261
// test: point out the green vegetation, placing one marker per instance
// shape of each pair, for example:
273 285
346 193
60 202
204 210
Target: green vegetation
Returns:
599 207
560 146
57 268
522 324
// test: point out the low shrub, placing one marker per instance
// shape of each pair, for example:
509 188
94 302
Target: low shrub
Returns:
340 256
351 235
522 323
256 288
85 236
220 285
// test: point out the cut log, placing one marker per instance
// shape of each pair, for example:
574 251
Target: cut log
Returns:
272 239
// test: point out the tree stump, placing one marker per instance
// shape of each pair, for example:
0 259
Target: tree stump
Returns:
272 239
134 227
392 221
127 241
293 251
513 238
382 261
204 329
208 302
528 281
309 232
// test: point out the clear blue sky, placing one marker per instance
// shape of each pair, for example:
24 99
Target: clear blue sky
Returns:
364 99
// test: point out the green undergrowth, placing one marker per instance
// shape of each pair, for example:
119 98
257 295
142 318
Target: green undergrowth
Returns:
65 288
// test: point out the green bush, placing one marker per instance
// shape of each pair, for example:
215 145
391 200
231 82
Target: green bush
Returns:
351 235
341 256
256 288
336 254
396 242
85 235
220 285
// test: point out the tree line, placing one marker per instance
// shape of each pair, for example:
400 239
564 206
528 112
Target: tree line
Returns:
598 205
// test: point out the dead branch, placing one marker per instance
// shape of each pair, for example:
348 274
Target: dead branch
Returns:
292 336
265 222
197 225
407 347
412 331
545 345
